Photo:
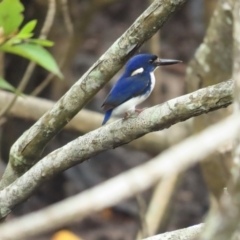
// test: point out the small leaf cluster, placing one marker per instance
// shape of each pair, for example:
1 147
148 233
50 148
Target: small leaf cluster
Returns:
21 42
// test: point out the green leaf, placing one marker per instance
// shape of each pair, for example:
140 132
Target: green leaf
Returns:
42 42
10 15
28 27
21 36
34 53
5 85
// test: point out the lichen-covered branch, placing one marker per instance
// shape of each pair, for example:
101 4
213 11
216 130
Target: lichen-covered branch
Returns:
188 233
236 76
113 135
33 108
212 64
223 222
116 189
27 149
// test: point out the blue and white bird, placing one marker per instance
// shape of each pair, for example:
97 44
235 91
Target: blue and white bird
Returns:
134 86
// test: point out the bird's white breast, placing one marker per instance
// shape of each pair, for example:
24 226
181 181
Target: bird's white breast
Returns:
131 103
152 81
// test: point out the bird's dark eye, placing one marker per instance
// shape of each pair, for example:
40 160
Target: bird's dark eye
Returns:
151 61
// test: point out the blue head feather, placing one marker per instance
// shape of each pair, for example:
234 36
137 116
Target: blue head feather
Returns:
144 61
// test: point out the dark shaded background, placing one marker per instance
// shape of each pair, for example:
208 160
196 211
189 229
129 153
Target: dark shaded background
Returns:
96 28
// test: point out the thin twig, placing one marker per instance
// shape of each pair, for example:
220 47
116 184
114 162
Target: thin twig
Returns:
67 17
2 121
155 48
48 23
159 204
70 31
31 66
142 208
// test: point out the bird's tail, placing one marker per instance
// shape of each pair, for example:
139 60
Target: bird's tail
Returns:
107 116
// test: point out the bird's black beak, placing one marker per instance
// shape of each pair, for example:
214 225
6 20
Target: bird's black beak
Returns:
163 62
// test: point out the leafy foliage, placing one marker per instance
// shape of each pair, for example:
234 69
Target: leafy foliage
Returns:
10 15
20 42
5 85
34 52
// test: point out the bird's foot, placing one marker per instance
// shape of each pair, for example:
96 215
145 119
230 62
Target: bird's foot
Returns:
137 110
126 115
132 114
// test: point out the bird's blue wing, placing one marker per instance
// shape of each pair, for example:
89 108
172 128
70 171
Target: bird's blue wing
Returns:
125 89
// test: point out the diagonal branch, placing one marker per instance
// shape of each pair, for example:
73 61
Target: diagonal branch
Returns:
27 149
33 108
114 135
188 233
120 187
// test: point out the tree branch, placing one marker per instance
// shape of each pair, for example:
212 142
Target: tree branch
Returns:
160 203
223 223
32 108
188 233
27 149
205 69
112 191
114 135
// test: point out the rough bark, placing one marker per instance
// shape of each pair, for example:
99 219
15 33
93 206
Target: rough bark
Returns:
116 189
188 233
32 108
223 222
212 64
113 135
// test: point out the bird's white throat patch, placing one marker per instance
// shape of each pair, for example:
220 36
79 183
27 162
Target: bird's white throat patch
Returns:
139 70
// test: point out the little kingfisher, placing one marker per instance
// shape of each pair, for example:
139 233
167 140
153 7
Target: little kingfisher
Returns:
134 86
